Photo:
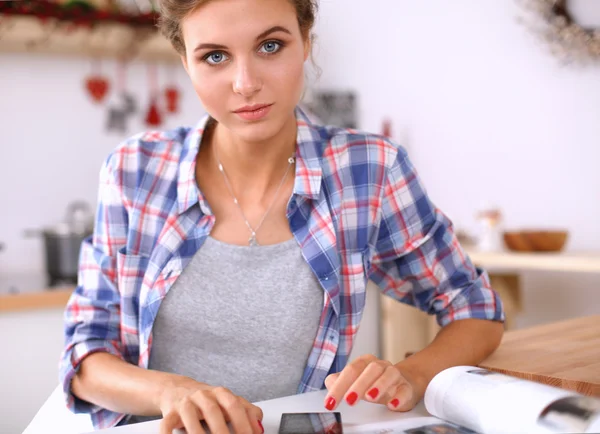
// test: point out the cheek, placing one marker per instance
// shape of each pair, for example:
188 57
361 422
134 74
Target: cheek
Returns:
208 86
289 79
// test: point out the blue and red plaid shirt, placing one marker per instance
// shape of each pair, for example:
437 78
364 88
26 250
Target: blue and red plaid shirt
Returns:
358 211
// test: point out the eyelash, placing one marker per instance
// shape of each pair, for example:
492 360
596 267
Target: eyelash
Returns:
281 45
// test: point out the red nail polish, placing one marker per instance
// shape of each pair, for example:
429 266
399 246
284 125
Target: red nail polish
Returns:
395 402
330 403
373 392
351 398
261 426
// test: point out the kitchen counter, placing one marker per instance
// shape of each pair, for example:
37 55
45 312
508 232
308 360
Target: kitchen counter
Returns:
42 299
564 354
29 291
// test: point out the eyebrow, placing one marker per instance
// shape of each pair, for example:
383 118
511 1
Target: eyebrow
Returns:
261 36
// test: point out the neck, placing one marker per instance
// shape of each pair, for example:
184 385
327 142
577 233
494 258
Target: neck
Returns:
256 166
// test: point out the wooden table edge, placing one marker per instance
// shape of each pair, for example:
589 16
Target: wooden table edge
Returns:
579 386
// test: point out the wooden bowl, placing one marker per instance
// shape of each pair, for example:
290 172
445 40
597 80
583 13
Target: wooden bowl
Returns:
536 241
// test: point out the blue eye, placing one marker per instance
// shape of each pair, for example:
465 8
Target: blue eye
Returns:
215 58
271 47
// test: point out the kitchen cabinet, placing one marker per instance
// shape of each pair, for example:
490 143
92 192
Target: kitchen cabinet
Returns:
32 342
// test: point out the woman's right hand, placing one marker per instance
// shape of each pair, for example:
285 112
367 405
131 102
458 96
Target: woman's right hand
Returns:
184 406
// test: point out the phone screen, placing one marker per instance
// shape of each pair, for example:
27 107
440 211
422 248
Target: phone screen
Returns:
311 423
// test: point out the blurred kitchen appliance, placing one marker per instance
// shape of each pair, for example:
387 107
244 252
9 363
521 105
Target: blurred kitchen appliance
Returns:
62 243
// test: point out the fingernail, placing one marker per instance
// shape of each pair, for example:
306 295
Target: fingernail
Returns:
373 392
330 405
395 402
351 398
261 426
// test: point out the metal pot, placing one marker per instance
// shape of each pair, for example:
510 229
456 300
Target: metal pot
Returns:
62 243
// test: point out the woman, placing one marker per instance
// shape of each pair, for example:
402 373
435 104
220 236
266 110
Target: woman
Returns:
229 261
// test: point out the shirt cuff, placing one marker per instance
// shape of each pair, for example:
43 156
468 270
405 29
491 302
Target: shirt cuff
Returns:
70 364
474 302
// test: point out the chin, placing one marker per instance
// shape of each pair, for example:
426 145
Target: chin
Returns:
252 132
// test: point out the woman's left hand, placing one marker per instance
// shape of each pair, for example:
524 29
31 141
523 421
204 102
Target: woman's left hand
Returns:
373 380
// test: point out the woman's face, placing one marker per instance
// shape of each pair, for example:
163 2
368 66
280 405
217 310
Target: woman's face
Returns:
246 54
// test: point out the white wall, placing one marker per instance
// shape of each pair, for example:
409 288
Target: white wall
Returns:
487 113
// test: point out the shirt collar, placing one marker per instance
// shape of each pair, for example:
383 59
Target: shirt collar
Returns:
188 193
310 146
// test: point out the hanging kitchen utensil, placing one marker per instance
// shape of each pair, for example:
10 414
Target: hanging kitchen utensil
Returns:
153 116
171 93
96 84
118 114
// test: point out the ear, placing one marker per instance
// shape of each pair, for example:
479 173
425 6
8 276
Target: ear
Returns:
184 62
307 47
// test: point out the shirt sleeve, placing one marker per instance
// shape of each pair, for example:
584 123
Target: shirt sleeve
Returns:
92 314
417 258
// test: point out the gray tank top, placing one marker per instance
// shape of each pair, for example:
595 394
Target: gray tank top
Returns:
240 317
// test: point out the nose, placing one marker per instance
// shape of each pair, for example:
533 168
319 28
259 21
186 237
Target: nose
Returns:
246 81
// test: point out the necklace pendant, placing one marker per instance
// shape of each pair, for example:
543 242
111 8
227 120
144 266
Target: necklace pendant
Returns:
252 240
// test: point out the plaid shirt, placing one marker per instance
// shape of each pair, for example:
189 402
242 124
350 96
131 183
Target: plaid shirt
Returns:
358 212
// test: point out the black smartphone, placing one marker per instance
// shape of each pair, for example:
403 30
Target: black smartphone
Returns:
311 423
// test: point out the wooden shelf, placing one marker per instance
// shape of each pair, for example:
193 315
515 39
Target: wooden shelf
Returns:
511 261
45 299
28 34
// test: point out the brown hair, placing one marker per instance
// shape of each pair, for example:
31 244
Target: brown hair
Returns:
172 12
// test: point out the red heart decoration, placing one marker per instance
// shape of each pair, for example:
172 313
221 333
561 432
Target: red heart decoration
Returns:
97 87
172 96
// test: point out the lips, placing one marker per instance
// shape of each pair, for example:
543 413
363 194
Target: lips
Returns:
254 113
251 108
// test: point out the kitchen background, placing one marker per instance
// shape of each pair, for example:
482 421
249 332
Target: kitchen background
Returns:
489 117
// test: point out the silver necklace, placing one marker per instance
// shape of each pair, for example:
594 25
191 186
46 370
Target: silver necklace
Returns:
252 240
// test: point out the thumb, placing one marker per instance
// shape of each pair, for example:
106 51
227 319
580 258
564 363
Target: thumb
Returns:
330 380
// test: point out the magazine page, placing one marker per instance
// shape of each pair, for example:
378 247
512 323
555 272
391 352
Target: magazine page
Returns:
488 402
413 425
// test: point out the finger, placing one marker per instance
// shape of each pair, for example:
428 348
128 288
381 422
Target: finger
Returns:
188 412
211 411
365 382
169 422
331 379
256 415
385 385
253 409
235 411
346 378
402 398
255 422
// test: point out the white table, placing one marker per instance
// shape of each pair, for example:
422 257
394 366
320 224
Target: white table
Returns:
361 413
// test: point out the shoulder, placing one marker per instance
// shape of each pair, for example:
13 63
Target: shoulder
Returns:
148 148
353 148
144 159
